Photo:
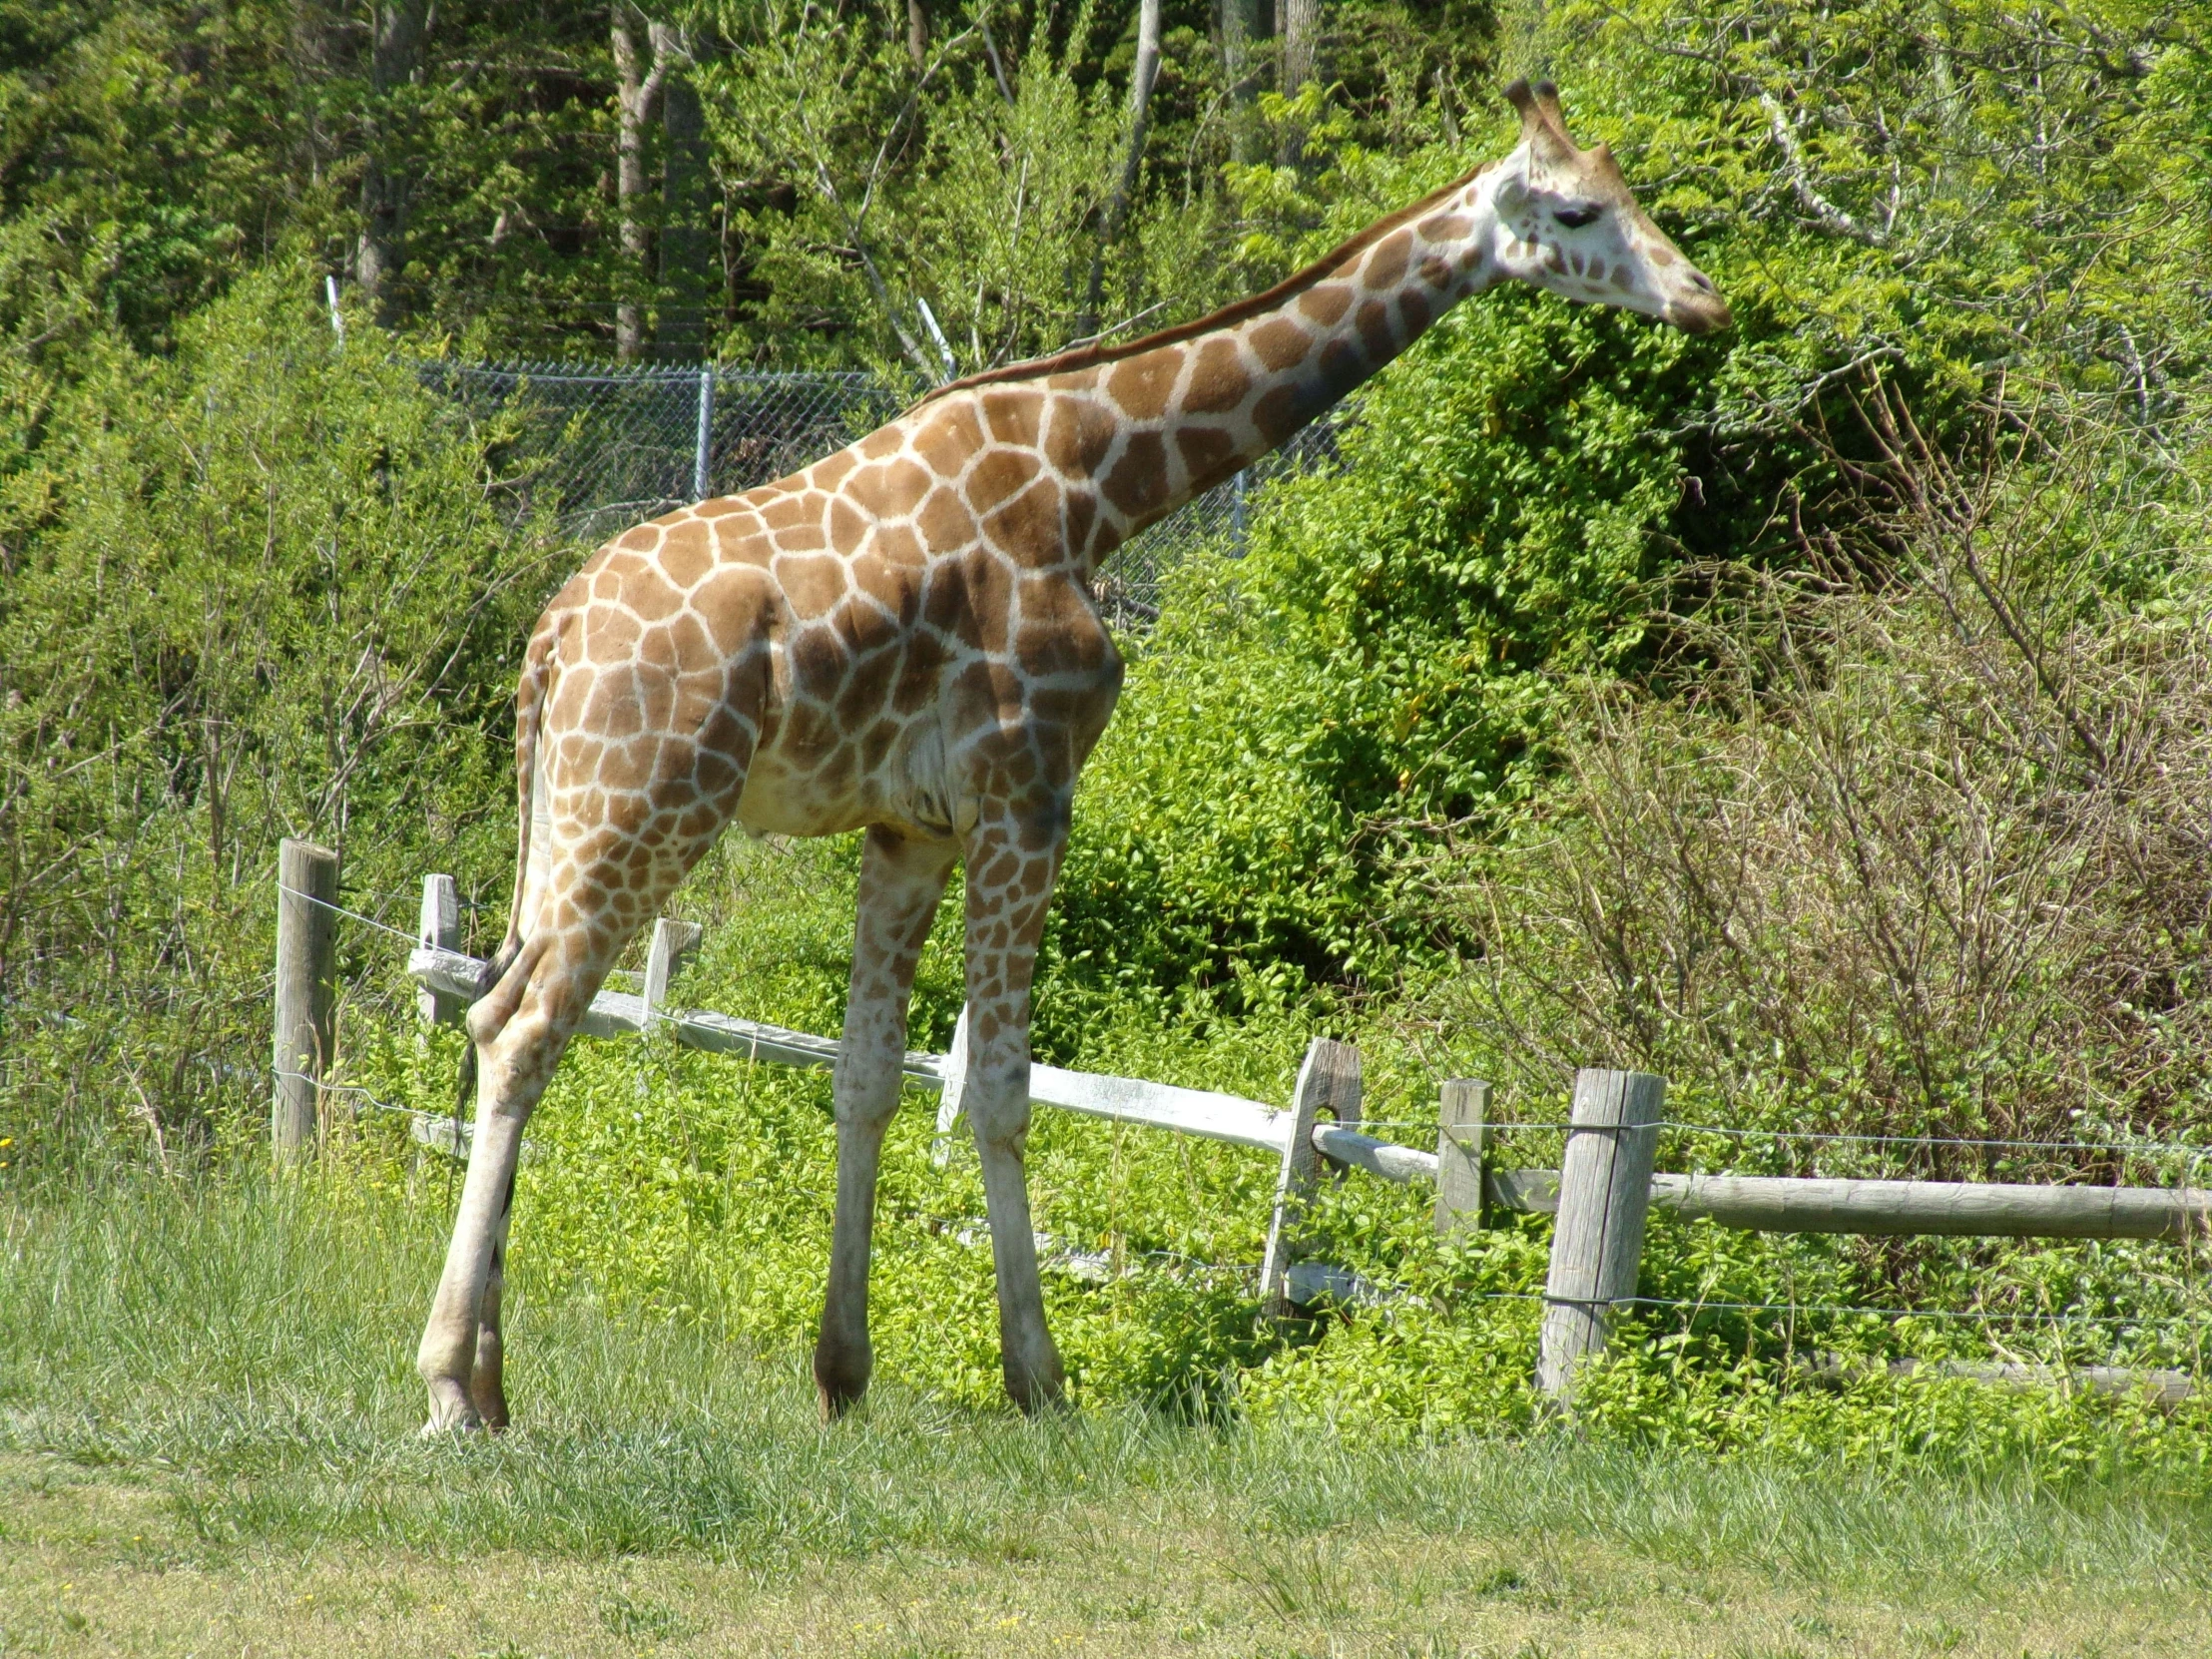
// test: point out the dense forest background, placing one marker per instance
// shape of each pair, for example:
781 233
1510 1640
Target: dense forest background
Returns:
1817 713
782 184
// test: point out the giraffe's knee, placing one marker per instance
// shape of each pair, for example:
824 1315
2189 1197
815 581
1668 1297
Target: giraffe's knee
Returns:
1002 1115
491 1013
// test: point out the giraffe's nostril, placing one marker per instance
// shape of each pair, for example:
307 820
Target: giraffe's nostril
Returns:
1699 279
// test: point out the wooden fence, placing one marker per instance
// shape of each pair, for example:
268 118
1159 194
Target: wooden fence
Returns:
1600 1196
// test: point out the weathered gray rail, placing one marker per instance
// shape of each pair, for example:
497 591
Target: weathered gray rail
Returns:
1797 1204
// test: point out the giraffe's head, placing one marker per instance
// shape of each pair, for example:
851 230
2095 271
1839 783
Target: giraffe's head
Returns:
1567 222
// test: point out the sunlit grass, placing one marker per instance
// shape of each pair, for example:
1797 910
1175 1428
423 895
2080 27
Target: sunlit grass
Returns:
249 1351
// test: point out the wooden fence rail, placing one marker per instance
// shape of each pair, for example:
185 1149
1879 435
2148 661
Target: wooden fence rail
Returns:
1218 1117
1802 1204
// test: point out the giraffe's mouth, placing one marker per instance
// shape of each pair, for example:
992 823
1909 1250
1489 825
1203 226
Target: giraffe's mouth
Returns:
1698 308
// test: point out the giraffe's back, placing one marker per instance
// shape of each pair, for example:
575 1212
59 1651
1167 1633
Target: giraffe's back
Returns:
877 639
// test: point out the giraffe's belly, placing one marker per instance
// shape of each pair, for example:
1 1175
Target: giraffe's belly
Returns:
798 785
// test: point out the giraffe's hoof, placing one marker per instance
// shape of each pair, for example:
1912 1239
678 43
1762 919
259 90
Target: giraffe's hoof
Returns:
491 1409
451 1412
835 1407
1037 1394
458 1429
842 1371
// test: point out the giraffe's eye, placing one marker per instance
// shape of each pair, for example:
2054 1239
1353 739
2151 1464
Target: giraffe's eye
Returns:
1575 218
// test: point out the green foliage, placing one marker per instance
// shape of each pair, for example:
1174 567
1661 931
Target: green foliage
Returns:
258 587
940 192
1536 492
153 153
143 160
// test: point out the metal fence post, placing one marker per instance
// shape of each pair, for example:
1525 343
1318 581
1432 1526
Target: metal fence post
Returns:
307 1005
702 485
1604 1196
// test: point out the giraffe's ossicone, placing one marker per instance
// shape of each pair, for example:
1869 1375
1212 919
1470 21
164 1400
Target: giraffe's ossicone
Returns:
902 639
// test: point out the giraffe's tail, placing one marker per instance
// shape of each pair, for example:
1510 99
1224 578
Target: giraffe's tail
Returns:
531 699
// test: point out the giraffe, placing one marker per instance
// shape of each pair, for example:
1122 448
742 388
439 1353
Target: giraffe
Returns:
902 640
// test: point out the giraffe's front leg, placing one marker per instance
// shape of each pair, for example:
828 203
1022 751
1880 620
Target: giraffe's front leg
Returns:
1013 863
902 882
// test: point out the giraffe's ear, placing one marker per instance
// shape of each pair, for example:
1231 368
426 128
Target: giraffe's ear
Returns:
1543 129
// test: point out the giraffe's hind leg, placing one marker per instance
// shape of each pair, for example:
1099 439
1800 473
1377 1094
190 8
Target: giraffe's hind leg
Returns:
519 1030
487 1383
584 922
604 881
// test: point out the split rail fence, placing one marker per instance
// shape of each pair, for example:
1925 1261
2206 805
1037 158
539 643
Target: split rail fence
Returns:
1601 1195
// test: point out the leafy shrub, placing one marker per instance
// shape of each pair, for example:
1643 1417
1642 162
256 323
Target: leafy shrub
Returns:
259 588
1933 859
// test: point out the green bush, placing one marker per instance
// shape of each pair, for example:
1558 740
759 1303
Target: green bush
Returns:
1536 493
261 587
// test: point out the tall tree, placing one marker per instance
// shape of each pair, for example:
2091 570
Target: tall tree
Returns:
656 79
639 79
395 60
1300 41
689 243
1245 29
1300 20
917 35
1141 80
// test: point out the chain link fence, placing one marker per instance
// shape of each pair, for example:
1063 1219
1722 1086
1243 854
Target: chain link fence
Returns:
603 448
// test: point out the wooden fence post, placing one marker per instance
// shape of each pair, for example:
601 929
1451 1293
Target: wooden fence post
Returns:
440 930
1605 1195
306 1003
950 1100
1459 1148
1328 1081
674 945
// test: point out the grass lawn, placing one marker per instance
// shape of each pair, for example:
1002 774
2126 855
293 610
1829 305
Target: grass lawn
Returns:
207 1445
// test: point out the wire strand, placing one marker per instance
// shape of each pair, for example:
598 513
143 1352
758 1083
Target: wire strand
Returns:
351 915
356 1088
1980 1315
2137 1147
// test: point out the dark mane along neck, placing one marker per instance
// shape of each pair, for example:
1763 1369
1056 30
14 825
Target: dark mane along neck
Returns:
1090 356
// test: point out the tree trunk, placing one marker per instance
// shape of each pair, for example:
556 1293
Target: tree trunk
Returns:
395 56
917 35
1300 32
637 95
1117 205
1244 31
688 240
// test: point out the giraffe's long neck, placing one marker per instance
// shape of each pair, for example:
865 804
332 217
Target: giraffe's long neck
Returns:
1163 426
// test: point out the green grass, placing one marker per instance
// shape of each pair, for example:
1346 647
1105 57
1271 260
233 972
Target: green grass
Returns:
237 1361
